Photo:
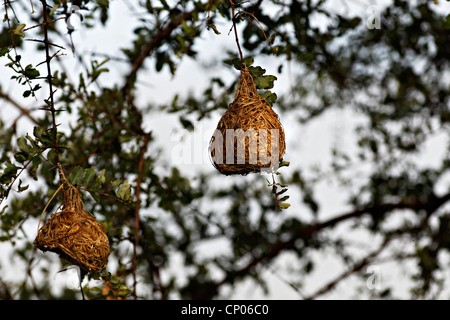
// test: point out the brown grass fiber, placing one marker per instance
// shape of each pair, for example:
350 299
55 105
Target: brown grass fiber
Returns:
73 233
253 150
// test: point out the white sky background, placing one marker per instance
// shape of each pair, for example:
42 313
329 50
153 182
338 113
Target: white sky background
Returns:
307 145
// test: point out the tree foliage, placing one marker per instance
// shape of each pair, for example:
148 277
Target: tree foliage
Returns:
157 217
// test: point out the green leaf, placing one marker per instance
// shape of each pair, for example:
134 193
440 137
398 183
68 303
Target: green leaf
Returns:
4 51
115 279
3 210
9 173
116 183
37 132
23 145
48 137
187 124
77 175
124 191
95 289
36 162
256 71
31 72
284 198
214 28
20 188
124 291
284 164
265 82
284 205
249 61
18 30
272 38
237 63
270 97
34 145
100 180
89 175
21 157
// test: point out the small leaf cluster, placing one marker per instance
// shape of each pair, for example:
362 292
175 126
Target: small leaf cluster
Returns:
23 75
276 186
262 82
28 157
95 183
113 287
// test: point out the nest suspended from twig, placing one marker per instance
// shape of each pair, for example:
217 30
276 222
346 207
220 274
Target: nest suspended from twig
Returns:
249 137
73 233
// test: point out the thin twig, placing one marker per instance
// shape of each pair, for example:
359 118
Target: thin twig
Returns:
48 58
233 17
274 190
53 56
38 25
137 208
260 26
42 41
11 32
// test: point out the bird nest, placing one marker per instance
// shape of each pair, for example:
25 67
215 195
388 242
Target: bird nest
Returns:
249 137
73 233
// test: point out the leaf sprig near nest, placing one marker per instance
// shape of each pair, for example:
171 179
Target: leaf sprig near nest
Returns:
94 182
262 81
280 196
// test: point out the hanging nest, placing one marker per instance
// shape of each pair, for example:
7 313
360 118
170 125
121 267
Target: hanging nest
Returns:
73 233
249 137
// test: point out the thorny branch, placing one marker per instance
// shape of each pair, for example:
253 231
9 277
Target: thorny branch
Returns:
7 3
48 58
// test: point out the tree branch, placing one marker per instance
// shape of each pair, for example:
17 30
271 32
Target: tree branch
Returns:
429 206
153 43
48 58
156 40
145 142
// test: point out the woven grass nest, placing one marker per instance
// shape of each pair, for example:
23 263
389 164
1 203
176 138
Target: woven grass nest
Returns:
73 233
249 137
